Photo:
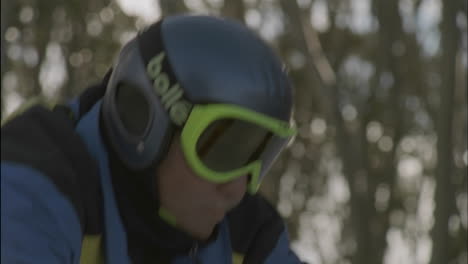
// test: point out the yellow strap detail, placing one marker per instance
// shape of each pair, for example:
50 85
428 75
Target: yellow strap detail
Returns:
91 251
168 217
237 258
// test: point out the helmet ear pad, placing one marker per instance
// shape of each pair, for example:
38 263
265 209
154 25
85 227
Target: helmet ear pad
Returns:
135 121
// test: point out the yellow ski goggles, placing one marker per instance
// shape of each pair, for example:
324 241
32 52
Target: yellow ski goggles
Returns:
222 142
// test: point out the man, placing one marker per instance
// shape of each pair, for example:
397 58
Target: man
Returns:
161 162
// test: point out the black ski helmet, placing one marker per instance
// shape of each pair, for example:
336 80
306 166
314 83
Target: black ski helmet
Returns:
212 60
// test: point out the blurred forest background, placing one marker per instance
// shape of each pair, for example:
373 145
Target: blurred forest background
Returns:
378 172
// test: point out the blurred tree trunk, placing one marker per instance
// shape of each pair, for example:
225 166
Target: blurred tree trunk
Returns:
444 190
172 7
314 100
41 28
317 70
4 15
234 9
460 126
390 34
4 20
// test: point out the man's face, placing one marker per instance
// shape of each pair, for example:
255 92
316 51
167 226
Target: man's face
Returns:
197 204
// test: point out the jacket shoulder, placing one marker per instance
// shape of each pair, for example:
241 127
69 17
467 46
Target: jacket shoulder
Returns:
38 222
46 141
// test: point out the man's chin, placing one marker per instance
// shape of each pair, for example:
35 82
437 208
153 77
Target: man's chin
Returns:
203 234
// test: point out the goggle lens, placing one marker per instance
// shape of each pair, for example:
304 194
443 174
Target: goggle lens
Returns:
229 144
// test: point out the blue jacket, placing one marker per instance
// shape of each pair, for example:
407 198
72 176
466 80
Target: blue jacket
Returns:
58 204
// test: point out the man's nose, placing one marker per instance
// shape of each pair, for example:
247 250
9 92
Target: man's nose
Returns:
234 190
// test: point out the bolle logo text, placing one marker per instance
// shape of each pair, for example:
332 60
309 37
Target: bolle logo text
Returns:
171 96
